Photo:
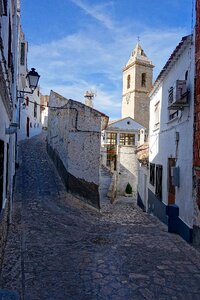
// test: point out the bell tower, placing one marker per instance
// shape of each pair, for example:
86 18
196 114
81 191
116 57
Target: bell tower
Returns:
137 82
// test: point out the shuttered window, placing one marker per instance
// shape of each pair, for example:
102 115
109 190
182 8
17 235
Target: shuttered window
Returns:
152 174
158 191
3 7
35 110
22 57
157 115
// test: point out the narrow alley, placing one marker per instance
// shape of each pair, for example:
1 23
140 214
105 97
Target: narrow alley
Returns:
60 249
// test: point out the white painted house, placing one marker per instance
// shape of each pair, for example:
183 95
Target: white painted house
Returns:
29 104
171 141
9 24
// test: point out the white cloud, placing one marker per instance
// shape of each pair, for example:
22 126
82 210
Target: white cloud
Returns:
97 12
83 60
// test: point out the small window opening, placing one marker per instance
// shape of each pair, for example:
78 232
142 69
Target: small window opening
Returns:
128 81
143 83
186 75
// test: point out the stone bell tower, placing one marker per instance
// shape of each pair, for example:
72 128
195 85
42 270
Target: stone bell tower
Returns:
137 82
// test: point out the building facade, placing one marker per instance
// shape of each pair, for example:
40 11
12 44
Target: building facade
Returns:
196 147
119 143
9 24
137 82
29 104
170 187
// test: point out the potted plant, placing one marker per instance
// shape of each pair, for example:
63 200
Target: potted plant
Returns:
129 190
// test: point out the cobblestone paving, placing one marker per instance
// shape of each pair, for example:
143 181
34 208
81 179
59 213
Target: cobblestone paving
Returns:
60 249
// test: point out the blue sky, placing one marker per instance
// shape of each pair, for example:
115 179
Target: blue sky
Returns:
78 45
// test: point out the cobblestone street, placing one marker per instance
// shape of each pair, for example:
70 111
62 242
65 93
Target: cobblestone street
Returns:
60 249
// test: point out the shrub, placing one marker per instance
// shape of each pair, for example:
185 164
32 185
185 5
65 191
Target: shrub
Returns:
129 189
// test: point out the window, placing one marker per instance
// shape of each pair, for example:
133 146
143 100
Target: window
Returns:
111 138
170 95
22 57
186 75
152 174
3 7
143 81
173 113
157 115
1 172
27 101
111 156
128 81
35 110
127 139
158 191
9 45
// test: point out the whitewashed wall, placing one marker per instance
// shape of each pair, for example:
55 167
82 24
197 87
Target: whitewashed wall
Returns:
28 112
162 143
142 188
127 165
74 137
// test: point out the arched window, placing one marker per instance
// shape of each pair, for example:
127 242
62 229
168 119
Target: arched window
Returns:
128 81
143 81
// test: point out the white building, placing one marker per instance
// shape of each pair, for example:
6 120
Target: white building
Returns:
29 104
119 144
9 23
171 141
44 100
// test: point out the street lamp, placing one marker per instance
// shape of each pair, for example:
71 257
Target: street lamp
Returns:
32 78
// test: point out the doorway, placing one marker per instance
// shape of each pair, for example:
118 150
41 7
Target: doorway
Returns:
171 188
1 172
27 127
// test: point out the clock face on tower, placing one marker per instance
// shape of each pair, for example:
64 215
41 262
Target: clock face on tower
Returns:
128 97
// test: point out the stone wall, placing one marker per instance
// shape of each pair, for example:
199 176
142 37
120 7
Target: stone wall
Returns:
127 168
196 147
74 137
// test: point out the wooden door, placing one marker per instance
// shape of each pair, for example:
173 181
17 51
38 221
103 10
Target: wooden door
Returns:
1 172
27 127
171 188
